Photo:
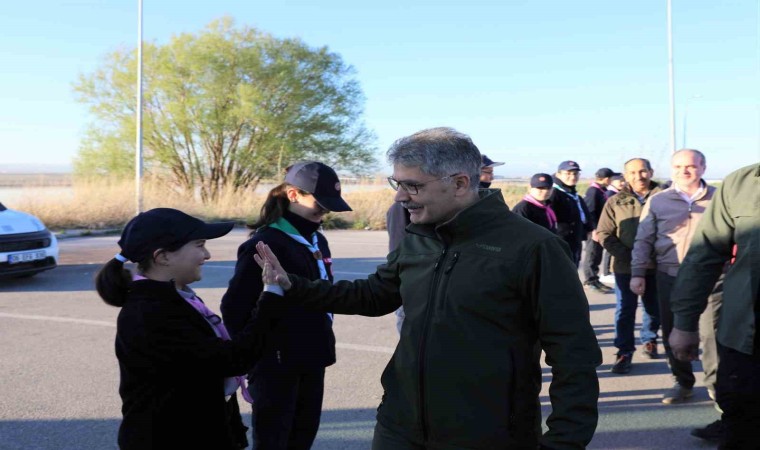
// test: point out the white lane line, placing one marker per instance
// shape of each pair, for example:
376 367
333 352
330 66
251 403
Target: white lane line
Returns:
366 348
102 323
207 266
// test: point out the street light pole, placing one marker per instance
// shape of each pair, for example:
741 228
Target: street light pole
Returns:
138 143
685 116
670 80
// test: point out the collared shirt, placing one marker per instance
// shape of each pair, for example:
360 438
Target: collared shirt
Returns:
691 198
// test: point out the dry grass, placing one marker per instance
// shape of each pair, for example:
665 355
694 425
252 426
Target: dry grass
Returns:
98 205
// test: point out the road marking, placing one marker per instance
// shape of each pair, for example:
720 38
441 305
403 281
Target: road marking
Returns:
103 323
366 348
363 274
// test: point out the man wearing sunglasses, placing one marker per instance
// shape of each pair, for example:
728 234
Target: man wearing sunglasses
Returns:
484 291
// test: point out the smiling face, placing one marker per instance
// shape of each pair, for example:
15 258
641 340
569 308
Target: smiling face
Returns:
687 168
638 175
541 194
184 264
569 177
305 205
435 201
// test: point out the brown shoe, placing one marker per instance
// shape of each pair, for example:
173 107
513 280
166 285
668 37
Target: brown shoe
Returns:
650 350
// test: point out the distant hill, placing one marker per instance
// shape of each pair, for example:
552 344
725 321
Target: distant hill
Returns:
34 168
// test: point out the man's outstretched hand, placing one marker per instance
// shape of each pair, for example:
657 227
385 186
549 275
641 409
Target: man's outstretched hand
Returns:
270 265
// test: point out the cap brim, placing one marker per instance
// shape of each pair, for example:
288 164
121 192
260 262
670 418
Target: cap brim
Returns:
494 164
212 230
335 204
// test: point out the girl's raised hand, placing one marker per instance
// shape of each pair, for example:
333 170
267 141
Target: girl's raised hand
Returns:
272 271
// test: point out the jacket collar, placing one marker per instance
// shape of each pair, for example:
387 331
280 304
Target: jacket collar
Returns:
469 221
152 288
706 188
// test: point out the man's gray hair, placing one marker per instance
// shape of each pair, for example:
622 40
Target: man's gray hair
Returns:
439 152
692 150
644 160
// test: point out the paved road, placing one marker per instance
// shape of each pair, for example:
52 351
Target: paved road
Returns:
59 377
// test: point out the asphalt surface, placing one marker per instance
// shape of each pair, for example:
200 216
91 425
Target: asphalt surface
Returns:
59 376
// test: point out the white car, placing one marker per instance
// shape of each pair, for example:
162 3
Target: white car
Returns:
26 246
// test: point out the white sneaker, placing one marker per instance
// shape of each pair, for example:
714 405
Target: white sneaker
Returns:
608 279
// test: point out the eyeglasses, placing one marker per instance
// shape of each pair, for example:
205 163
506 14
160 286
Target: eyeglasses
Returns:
413 188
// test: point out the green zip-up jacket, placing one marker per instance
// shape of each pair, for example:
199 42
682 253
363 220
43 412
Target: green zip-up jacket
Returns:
483 294
733 218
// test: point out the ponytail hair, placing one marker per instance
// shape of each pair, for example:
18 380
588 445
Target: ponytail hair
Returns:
112 282
274 206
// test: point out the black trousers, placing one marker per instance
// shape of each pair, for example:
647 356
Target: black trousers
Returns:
739 397
681 370
576 247
591 260
286 409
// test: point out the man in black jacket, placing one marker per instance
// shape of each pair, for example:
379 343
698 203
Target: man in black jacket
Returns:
574 221
596 197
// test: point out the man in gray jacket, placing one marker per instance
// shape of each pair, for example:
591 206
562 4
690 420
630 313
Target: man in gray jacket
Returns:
666 227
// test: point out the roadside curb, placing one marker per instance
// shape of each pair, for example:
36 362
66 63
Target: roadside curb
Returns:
67 234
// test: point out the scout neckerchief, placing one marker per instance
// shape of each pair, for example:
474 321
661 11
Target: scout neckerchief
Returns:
601 189
550 216
231 384
574 196
286 227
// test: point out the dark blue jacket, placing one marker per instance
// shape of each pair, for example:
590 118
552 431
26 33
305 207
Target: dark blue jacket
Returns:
302 340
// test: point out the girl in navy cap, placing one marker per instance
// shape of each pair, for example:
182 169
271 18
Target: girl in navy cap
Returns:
536 204
179 368
287 383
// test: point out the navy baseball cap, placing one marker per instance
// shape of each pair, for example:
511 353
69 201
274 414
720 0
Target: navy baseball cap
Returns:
488 162
541 180
569 165
165 228
320 181
616 176
604 172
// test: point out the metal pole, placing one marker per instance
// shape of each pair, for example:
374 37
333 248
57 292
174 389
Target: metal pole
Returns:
138 143
685 117
670 80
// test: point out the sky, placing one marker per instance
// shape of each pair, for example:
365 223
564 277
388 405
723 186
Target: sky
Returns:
533 82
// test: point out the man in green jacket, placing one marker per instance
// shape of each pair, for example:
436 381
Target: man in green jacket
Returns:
731 225
616 231
483 291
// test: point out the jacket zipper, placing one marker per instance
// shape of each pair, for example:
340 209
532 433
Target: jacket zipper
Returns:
428 313
453 261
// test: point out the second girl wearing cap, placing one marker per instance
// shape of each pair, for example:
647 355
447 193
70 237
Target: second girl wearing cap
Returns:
287 383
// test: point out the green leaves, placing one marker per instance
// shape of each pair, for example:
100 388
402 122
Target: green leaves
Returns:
227 106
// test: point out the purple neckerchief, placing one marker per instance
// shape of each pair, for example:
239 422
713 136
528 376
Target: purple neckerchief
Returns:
219 329
549 211
604 191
